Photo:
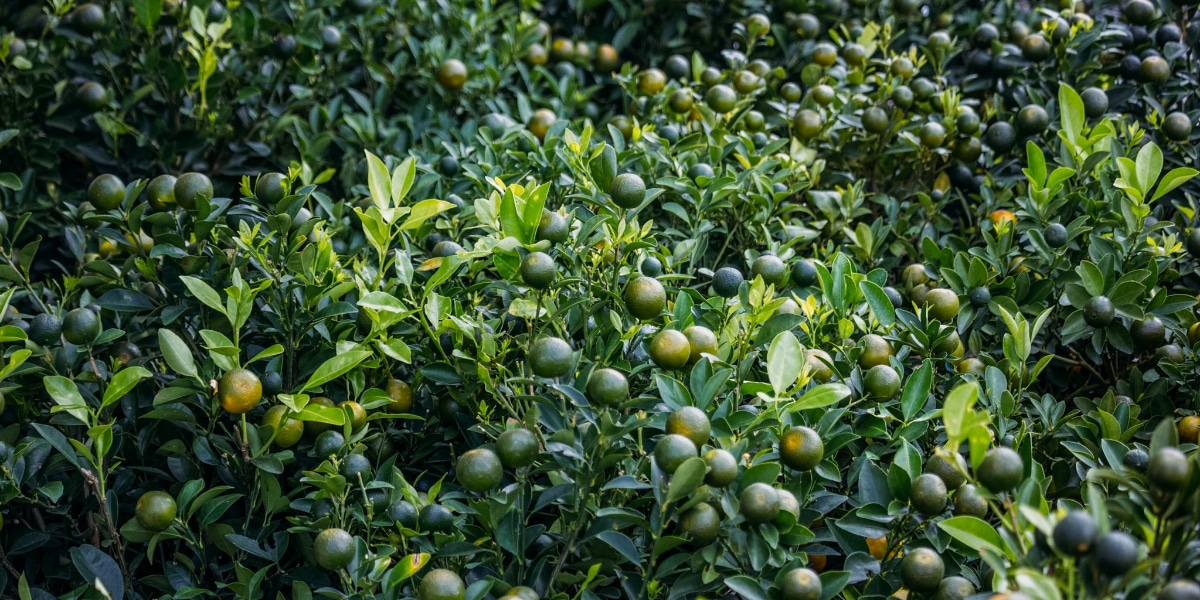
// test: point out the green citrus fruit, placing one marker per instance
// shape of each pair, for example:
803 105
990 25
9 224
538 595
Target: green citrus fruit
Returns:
700 524
313 428
354 466
701 340
436 518
328 443
1154 69
451 74
333 548
190 185
358 414
271 188
442 584
607 387
400 396
954 588
876 351
672 450
239 390
1148 333
155 510
807 124
106 192
968 500
645 298
1099 311
538 270
922 570
770 268
881 382
81 326
550 357
553 227
1168 469
1002 469
479 470
670 349
928 494
875 120
759 503
952 470
722 468
651 81
932 134
801 448
1075 533
1095 102
160 192
628 190
1116 553
726 282
404 514
690 422
607 59
92 96
288 431
1177 126
517 448
801 584
1000 137
539 124
818 362
1180 589
720 98
943 304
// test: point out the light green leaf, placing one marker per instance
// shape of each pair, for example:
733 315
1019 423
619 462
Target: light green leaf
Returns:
1071 111
1149 165
335 367
784 359
820 397
881 305
378 182
122 383
175 351
66 395
423 211
204 293
1173 179
975 533
686 479
402 180
956 407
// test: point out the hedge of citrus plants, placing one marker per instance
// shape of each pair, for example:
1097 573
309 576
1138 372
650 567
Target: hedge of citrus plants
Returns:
582 300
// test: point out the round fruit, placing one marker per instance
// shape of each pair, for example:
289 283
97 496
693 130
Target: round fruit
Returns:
404 514
160 192
932 134
451 74
651 81
807 124
1139 12
1168 469
106 192
479 470
400 396
271 188
190 185
1032 120
1116 553
517 448
1154 69
358 414
804 273
801 448
155 510
92 96
722 468
801 584
1177 126
1189 429
943 304
1180 589
1002 469
720 98
1099 311
435 518
442 584
645 298
1055 235
701 524
538 270
1148 333
979 297
1137 460
759 503
702 341
81 326
541 121
627 190
928 494
969 501
876 351
922 570
1074 534
681 101
818 362
1000 137
670 349
690 422
953 475
288 431
770 268
607 387
875 120
881 382
726 282
328 443
550 357
1095 102
356 465
672 450
954 588
553 227
239 390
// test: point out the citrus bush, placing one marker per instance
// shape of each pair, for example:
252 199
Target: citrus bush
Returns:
460 300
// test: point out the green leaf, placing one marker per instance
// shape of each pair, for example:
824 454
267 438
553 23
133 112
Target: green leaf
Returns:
976 533
916 390
378 182
604 167
1037 585
881 305
746 587
784 360
820 397
622 544
956 407
1091 277
1070 106
122 382
405 568
175 351
686 479
11 181
423 211
335 367
1173 179
1036 171
204 293
66 394
402 180
1149 165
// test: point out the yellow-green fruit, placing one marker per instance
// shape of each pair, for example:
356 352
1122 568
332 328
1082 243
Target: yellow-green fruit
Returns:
155 510
702 341
670 349
690 422
288 431
801 448
645 298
